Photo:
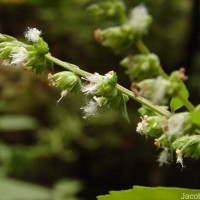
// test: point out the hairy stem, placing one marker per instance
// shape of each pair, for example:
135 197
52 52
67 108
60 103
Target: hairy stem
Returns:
141 100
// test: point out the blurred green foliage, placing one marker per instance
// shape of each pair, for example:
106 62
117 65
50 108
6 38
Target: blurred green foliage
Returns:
43 142
62 190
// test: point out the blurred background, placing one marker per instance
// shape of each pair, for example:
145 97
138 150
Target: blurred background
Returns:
47 151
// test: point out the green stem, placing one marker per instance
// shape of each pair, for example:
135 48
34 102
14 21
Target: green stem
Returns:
144 102
143 49
68 66
78 71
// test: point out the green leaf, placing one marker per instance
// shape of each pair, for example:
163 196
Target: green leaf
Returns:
176 103
157 193
124 99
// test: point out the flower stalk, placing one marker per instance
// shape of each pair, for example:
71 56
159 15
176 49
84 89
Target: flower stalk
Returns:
144 50
130 94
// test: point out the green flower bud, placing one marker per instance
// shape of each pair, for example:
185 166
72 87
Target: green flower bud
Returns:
142 66
66 81
151 125
6 48
113 10
101 85
174 84
188 145
41 46
119 38
108 85
31 57
104 92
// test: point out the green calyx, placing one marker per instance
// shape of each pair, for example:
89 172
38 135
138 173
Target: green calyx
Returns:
141 66
34 61
112 10
66 81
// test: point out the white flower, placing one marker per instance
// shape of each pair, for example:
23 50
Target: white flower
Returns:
32 34
163 157
100 100
63 94
90 109
179 157
142 125
139 18
19 56
95 81
94 78
109 75
89 88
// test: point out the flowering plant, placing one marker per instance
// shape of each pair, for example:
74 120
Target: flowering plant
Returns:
160 95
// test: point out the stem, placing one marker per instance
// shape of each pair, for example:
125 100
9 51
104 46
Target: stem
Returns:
144 50
144 101
163 73
68 66
142 47
141 100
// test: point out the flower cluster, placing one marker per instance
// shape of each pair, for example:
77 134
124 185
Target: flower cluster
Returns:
140 19
29 56
114 10
101 91
18 56
141 66
32 34
66 81
122 37
177 132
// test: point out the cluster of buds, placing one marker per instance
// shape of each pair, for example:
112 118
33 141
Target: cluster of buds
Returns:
113 10
178 133
66 81
99 91
102 91
122 37
29 56
141 66
158 90
173 132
